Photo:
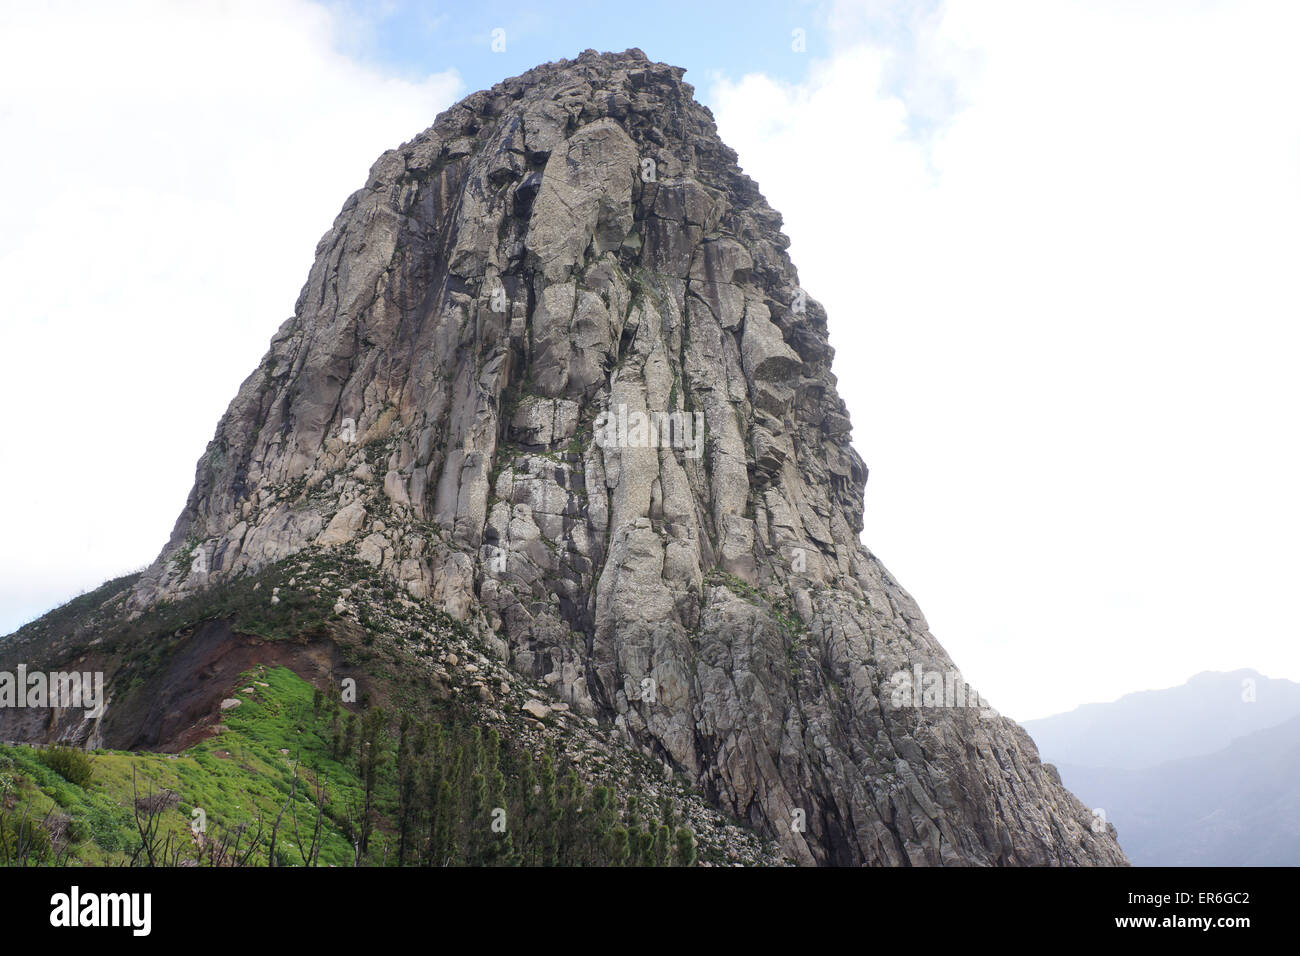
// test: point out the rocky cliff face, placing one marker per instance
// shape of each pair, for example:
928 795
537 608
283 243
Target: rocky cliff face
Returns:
552 370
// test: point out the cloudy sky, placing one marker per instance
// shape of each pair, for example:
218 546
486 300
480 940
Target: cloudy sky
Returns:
1057 242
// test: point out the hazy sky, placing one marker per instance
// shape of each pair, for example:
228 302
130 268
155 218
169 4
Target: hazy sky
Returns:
1057 242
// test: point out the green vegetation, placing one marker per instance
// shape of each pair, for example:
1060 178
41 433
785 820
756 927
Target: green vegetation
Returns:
69 763
412 774
81 612
295 778
780 606
184 555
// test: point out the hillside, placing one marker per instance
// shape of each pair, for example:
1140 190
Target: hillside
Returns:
285 779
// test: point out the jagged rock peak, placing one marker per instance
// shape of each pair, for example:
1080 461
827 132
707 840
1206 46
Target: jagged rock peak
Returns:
552 370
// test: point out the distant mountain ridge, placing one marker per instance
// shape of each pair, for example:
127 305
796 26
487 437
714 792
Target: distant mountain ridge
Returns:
1204 774
1153 726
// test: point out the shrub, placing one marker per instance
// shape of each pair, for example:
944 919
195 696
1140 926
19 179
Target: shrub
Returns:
69 763
22 839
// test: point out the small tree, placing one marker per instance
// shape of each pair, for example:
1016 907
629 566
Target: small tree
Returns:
444 844
371 757
69 763
663 845
501 847
619 846
685 847
480 819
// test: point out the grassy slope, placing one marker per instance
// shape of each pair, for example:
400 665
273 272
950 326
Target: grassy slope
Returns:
401 653
231 776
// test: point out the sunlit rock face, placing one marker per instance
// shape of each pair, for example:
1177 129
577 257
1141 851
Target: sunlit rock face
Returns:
552 370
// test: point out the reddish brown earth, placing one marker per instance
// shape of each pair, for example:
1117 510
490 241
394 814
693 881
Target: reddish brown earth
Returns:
179 704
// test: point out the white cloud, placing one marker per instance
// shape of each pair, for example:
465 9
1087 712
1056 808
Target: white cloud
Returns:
169 169
1065 307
